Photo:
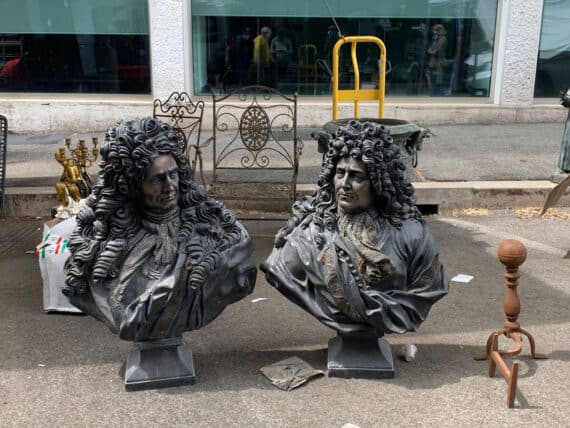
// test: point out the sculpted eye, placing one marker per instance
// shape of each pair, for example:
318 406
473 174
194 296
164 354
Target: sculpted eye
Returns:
174 174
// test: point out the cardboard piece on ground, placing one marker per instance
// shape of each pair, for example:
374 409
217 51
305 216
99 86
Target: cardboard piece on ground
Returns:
290 373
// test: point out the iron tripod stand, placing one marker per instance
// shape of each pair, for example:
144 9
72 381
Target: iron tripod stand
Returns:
512 254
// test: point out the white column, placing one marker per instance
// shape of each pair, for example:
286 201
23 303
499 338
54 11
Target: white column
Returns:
516 68
167 46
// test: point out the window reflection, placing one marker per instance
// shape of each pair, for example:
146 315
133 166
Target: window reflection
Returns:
428 57
74 63
552 74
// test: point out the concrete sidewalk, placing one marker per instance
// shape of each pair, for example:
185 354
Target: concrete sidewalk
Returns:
61 370
460 166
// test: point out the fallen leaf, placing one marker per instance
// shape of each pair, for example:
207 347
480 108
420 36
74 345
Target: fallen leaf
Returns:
472 212
533 213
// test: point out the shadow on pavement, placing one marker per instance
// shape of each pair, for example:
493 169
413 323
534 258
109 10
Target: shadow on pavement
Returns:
238 371
229 352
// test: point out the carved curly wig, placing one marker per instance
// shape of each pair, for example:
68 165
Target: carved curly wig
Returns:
113 211
394 196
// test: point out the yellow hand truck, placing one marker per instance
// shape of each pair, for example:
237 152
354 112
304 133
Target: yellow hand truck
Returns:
358 94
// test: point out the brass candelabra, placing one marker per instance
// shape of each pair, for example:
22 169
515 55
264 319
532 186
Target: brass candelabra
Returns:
75 179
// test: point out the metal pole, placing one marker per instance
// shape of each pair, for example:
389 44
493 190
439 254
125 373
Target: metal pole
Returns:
564 160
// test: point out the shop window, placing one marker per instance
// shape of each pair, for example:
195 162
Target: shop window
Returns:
552 70
435 47
82 46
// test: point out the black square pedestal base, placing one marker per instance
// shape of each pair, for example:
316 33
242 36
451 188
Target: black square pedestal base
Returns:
360 355
159 367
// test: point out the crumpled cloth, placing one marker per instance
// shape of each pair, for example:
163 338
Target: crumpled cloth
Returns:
290 373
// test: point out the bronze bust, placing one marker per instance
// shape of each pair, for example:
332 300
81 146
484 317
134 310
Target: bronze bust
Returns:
152 255
357 255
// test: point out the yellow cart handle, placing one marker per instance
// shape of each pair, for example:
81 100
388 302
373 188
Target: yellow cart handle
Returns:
358 94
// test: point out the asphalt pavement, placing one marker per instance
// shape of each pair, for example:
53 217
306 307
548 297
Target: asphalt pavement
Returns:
66 370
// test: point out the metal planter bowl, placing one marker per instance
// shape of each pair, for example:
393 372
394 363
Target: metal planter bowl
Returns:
407 135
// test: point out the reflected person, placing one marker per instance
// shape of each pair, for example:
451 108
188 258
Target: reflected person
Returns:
436 58
282 50
262 58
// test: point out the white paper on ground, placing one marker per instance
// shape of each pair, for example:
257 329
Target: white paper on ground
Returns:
462 278
259 299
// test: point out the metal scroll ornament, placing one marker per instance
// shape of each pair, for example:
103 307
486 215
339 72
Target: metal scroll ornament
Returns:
254 128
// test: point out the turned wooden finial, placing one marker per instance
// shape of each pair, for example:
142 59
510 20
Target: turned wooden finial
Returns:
512 254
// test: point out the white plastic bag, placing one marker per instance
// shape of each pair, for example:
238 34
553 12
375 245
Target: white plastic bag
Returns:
52 255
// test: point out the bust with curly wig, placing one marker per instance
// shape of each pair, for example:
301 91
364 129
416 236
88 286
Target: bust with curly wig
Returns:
152 255
357 255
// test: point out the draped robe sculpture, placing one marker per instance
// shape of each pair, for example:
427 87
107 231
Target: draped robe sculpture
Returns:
152 255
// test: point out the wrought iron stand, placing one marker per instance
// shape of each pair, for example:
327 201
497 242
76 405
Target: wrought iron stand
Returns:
512 254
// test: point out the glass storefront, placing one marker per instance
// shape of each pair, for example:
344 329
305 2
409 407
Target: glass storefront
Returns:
553 67
74 46
434 47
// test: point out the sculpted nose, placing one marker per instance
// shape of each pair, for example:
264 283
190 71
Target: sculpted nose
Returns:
168 184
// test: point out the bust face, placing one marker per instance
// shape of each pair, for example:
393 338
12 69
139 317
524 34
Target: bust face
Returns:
160 185
352 186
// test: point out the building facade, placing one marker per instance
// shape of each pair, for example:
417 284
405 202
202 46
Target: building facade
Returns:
82 64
